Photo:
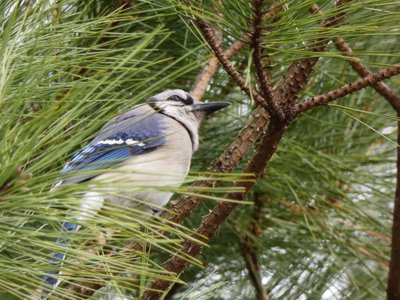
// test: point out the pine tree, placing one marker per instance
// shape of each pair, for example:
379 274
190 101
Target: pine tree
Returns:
291 193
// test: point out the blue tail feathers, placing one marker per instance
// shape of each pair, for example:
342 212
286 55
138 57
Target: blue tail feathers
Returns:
57 258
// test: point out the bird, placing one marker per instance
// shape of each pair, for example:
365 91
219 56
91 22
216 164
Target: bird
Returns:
149 146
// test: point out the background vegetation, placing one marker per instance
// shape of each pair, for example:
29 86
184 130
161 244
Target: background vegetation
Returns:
317 222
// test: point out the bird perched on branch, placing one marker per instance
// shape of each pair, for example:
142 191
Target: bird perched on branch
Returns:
149 146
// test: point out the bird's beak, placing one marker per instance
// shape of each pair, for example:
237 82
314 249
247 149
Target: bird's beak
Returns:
209 107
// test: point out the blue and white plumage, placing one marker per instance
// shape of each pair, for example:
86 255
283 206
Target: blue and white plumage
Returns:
147 147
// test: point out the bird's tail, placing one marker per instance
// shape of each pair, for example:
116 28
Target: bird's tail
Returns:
51 279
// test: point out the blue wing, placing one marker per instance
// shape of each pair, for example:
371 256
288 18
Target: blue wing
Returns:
118 141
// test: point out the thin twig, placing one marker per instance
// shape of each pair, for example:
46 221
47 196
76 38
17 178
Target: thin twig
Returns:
363 71
366 252
208 34
266 87
273 10
199 88
203 79
357 85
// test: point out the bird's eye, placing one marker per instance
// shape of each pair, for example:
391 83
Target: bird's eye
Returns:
187 101
175 98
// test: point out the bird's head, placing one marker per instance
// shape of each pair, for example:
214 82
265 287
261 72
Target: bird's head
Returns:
182 107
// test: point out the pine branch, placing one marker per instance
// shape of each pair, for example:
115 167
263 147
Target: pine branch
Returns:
212 223
357 85
300 71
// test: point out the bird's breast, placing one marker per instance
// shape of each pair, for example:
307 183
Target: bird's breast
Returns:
151 177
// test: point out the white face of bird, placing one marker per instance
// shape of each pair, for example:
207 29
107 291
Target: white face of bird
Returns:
176 104
182 106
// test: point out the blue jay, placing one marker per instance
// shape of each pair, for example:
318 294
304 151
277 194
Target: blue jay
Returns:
148 146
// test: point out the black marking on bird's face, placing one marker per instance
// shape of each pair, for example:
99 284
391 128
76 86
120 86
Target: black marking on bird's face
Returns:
187 101
172 98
